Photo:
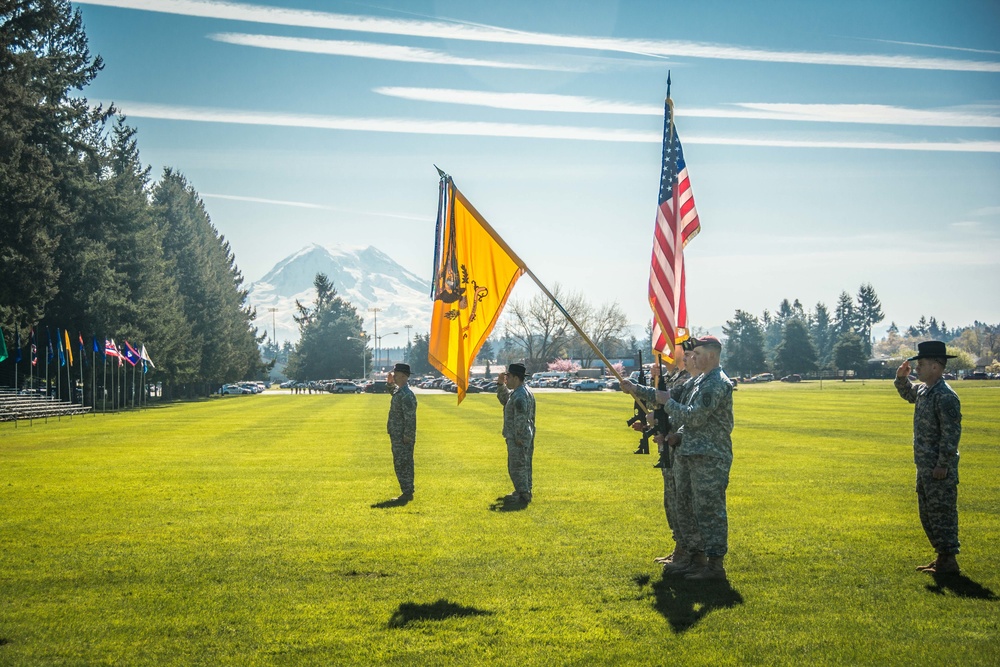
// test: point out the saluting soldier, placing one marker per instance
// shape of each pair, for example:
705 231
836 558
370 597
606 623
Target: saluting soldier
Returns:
518 430
937 428
402 429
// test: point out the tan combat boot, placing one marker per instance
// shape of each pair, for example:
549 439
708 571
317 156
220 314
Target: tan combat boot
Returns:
686 563
946 564
713 569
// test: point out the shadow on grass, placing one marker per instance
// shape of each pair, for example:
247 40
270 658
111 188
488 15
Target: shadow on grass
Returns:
437 611
505 504
962 586
399 501
683 603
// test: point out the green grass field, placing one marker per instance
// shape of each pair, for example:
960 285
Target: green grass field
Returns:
242 531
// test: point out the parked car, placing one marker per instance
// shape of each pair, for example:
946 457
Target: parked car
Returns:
977 376
762 377
612 384
344 388
377 387
794 377
234 389
586 385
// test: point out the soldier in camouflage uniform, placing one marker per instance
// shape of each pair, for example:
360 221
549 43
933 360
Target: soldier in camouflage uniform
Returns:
702 463
518 430
402 429
678 378
937 428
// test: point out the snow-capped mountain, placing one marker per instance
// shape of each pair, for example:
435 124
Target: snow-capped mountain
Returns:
366 277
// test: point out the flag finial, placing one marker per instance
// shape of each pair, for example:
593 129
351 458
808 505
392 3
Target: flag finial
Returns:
668 84
440 173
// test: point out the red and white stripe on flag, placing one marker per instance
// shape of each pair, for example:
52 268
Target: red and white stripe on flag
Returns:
676 224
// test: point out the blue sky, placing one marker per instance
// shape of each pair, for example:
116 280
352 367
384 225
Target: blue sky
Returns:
829 143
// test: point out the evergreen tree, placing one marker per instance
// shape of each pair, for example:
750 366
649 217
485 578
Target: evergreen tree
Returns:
324 351
822 334
796 353
867 315
744 348
844 319
44 57
849 353
419 364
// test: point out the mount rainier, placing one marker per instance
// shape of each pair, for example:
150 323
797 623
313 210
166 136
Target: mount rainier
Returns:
366 277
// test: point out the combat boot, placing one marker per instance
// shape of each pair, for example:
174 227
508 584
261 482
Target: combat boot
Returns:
713 569
684 563
945 564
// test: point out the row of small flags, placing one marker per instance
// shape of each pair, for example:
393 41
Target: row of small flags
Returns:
125 353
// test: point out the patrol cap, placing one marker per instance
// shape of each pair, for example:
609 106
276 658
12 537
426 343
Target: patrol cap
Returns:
516 369
401 368
932 349
708 341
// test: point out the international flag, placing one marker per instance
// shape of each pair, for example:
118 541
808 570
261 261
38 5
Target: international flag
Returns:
475 272
69 348
59 345
130 354
34 349
97 346
3 346
145 357
17 345
51 351
676 224
110 350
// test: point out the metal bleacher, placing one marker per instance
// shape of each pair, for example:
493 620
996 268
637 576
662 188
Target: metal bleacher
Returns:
15 407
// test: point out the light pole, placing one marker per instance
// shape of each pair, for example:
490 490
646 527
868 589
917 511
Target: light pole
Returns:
394 333
375 312
274 331
364 348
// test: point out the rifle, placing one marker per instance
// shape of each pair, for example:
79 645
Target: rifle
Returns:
639 415
661 421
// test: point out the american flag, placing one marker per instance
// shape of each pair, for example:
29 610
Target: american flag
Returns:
676 224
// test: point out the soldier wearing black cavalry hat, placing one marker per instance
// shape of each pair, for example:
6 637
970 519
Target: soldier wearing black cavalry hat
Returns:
937 428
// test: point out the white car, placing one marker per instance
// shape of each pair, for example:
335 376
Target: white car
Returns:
234 389
586 385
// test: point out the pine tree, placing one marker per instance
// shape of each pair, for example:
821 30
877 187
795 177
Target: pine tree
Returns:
324 351
796 353
822 333
744 348
867 315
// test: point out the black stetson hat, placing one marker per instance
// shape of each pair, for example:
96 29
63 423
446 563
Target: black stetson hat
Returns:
516 369
932 349
401 368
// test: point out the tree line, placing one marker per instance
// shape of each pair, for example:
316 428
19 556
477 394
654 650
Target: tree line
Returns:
90 243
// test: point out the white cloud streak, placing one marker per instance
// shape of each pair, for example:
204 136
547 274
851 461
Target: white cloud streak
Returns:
484 33
299 204
826 113
937 46
369 50
483 129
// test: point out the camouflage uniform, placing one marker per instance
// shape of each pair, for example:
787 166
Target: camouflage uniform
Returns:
937 427
402 429
702 463
676 383
519 432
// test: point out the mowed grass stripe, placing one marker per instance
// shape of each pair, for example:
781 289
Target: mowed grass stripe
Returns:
241 531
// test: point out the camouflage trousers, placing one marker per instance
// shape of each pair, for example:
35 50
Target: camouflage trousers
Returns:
519 464
402 461
670 495
701 522
937 501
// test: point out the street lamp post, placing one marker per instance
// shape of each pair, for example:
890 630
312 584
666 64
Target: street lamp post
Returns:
364 348
379 346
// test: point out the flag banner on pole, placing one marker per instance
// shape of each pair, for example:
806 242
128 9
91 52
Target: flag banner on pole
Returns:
34 348
676 224
51 351
59 345
145 357
130 354
17 345
3 346
475 272
110 349
69 348
97 346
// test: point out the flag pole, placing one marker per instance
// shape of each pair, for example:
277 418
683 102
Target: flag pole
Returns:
104 384
93 376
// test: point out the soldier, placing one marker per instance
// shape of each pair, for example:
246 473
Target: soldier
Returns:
402 429
518 430
702 462
675 380
937 428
